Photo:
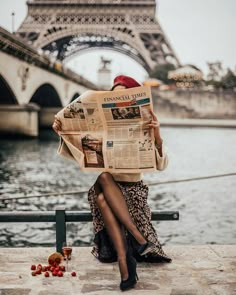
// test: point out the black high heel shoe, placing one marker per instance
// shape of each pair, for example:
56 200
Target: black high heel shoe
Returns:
133 277
146 248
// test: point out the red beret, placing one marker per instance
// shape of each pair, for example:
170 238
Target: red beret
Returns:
126 81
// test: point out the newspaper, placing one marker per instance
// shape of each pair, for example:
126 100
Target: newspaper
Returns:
107 131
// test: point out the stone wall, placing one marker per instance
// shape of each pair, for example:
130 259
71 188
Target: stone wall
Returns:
195 104
19 119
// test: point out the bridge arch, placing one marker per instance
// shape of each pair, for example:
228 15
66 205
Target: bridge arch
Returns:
67 42
76 95
46 96
7 95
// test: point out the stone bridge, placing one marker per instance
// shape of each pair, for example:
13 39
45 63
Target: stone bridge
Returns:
30 84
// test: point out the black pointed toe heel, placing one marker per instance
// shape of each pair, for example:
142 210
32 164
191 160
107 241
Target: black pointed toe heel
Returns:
133 277
146 248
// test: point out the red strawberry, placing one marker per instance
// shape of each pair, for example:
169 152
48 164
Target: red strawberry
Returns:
57 269
39 266
55 273
44 268
33 267
60 274
33 273
46 274
73 274
52 268
62 268
38 271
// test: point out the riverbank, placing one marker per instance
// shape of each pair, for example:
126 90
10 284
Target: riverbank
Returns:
195 270
186 122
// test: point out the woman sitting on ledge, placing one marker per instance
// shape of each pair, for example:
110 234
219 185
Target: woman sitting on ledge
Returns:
121 215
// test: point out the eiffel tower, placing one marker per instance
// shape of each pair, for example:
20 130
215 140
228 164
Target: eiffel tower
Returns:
65 27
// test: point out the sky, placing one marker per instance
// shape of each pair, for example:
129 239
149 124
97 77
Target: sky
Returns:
199 31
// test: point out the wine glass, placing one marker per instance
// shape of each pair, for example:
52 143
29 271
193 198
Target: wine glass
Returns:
67 250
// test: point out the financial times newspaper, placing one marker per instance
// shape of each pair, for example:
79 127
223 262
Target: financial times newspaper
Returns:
107 131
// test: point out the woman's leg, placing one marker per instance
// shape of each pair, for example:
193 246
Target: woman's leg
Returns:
113 196
115 232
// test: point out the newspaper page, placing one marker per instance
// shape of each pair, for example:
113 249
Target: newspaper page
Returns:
107 131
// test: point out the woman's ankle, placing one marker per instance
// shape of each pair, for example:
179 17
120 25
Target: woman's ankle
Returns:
138 236
124 274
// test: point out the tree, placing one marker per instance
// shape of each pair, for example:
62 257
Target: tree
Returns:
161 72
215 71
229 80
214 83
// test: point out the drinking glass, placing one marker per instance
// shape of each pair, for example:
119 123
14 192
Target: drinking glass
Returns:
67 250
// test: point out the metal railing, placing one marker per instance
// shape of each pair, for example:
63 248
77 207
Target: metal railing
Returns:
61 217
83 191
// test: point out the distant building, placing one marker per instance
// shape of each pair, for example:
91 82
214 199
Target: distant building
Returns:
152 82
104 74
186 77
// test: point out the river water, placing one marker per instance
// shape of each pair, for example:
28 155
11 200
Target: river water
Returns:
207 207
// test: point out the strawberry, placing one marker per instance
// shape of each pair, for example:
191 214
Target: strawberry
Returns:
44 268
39 266
55 264
62 268
46 274
33 267
33 273
54 273
38 271
57 269
52 268
60 274
73 274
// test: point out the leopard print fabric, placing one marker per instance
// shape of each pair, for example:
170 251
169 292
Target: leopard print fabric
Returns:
136 199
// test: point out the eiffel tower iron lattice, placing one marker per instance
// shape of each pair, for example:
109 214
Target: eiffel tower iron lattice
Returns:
65 27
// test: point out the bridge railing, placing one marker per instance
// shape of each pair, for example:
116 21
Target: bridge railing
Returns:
61 217
16 46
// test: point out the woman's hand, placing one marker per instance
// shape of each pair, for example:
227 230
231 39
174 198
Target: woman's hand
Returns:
56 126
155 125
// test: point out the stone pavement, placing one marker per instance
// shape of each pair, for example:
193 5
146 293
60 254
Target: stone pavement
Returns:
195 270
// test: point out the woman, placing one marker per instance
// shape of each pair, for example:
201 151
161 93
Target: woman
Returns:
121 216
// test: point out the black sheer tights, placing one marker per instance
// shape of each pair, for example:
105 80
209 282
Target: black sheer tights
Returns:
115 214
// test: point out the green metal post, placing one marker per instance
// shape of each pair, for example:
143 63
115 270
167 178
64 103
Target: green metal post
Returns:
60 229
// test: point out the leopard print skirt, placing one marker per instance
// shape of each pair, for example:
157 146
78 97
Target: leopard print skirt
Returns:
136 198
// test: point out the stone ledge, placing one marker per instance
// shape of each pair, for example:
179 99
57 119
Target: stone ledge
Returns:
195 270
187 122
19 108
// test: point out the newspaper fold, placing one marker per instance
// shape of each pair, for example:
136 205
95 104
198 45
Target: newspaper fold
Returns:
107 131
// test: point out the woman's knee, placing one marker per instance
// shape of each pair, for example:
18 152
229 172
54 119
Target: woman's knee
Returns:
105 178
100 200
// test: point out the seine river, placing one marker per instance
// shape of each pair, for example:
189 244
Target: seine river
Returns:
207 207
